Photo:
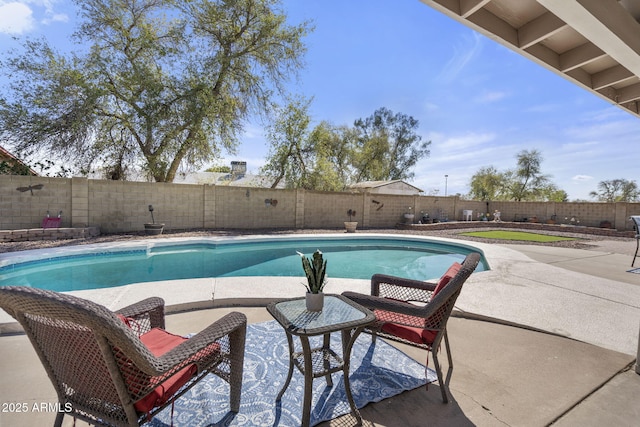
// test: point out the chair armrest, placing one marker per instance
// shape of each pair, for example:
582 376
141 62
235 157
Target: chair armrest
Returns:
148 314
381 303
400 288
233 325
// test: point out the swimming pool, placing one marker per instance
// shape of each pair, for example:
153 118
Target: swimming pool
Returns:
355 258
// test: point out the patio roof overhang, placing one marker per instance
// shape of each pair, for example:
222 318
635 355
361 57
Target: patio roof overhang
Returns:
592 43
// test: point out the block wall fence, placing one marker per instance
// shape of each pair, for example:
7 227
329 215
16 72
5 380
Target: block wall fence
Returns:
118 206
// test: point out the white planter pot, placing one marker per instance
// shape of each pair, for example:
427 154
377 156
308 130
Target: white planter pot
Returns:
350 226
315 302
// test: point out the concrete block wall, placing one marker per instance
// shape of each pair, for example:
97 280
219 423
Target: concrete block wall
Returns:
117 206
253 208
22 209
386 209
329 210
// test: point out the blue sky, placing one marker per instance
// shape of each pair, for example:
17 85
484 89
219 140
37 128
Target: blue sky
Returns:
478 102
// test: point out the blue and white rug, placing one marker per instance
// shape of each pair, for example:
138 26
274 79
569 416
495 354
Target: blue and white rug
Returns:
377 372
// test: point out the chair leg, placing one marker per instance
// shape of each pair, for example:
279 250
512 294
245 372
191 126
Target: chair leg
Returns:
59 418
236 343
636 254
448 349
444 383
443 386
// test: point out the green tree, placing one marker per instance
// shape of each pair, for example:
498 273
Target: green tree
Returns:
332 147
551 193
525 183
528 181
9 168
289 155
164 84
487 184
617 190
387 146
381 147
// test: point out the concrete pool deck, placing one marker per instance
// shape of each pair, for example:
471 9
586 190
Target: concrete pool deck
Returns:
517 290
504 375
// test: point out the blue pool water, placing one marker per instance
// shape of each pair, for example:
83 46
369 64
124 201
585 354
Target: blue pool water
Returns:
357 258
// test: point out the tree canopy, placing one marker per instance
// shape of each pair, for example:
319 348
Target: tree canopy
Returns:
288 135
384 146
617 190
387 146
163 84
524 183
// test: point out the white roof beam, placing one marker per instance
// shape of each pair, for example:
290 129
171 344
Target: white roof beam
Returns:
610 76
469 7
548 57
580 56
444 5
580 76
606 24
539 29
494 27
629 93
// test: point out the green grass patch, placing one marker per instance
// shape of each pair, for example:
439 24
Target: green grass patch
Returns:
517 235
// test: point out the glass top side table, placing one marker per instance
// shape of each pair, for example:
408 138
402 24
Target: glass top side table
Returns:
339 314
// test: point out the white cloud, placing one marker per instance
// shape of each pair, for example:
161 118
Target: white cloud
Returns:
468 140
56 17
461 58
582 178
430 107
15 18
19 17
489 97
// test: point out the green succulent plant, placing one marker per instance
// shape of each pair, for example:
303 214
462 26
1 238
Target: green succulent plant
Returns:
315 269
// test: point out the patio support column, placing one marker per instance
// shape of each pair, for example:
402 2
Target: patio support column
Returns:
299 208
621 221
366 209
209 206
79 202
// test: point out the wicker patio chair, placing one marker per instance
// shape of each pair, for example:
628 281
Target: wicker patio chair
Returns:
415 312
636 226
122 368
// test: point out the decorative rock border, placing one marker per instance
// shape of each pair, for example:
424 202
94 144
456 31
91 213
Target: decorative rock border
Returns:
31 234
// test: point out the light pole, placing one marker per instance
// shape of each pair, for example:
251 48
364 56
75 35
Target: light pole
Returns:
446 177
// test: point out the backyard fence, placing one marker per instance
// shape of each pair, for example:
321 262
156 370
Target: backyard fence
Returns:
119 206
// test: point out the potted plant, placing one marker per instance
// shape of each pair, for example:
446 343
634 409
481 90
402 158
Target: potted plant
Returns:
351 225
315 269
152 228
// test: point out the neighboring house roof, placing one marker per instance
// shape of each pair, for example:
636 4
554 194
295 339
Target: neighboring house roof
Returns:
396 186
212 178
220 178
10 158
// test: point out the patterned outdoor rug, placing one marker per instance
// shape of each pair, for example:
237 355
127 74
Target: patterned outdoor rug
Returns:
377 372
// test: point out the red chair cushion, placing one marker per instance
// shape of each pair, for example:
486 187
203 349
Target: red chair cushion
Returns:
414 334
446 277
159 341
